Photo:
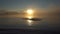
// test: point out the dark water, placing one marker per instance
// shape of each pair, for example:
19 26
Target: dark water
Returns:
20 23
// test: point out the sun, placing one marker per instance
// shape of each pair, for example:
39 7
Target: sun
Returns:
30 11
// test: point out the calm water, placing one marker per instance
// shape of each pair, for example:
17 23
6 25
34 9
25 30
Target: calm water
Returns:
26 24
21 23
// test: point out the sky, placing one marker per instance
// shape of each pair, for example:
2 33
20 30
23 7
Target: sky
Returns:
24 4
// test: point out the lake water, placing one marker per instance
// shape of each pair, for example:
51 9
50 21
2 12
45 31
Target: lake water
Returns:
26 24
21 23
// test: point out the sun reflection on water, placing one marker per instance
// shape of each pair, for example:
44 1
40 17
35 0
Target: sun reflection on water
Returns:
29 22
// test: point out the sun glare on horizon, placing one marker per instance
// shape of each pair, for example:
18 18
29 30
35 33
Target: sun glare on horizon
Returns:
30 11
